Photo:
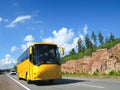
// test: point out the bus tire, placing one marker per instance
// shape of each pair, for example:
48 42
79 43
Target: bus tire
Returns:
51 81
28 82
20 78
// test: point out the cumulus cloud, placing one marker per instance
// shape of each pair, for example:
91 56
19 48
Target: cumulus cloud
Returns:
85 29
28 41
7 62
18 20
25 46
64 37
29 38
67 38
3 19
14 48
0 19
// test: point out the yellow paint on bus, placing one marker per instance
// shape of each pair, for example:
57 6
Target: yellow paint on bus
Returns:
41 61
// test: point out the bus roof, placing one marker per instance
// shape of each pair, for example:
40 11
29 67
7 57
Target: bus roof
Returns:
49 43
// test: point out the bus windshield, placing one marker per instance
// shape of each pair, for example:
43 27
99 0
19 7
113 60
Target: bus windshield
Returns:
45 54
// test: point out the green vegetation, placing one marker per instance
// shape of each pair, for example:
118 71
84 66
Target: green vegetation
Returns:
2 71
75 74
110 44
113 73
88 46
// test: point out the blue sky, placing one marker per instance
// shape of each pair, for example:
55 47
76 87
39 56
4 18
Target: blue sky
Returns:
60 21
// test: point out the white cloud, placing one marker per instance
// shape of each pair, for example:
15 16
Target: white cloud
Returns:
14 48
3 19
64 37
82 37
28 41
19 19
60 37
29 38
25 46
7 62
0 19
85 29
69 46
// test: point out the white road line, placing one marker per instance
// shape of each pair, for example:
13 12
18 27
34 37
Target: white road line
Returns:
19 83
90 85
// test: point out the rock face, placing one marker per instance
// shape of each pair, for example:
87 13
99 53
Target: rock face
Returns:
102 60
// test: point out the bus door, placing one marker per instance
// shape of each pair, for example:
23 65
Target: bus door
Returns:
31 64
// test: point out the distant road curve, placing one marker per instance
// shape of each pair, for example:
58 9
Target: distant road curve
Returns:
11 82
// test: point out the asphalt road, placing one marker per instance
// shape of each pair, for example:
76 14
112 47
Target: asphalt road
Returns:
11 82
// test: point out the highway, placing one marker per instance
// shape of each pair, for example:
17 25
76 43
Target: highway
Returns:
11 82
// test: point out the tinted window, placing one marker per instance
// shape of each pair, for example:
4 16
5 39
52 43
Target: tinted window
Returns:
45 54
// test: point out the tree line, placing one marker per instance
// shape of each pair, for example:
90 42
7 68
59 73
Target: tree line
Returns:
91 42
89 45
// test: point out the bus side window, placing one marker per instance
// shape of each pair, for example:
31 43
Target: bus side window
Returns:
27 54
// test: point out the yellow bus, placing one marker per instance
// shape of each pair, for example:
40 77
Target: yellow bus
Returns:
41 61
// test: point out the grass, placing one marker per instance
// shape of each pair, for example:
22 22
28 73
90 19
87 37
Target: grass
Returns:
88 52
113 75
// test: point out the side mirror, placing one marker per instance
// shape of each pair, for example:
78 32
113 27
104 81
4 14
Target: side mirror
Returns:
30 50
61 50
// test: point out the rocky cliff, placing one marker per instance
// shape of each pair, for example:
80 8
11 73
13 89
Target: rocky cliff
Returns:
102 60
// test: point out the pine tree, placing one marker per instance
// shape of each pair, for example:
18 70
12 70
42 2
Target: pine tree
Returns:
112 37
88 43
94 40
72 52
100 36
106 39
80 45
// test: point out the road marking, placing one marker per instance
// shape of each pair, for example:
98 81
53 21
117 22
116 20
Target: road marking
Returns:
19 83
90 85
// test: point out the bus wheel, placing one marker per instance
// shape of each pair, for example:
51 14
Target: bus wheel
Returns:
28 82
20 78
51 81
